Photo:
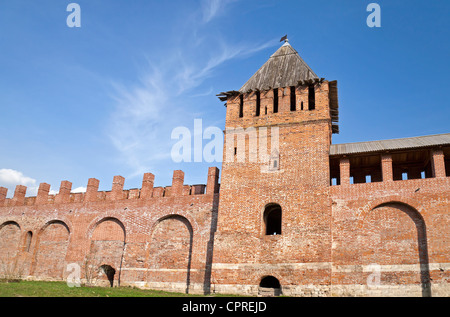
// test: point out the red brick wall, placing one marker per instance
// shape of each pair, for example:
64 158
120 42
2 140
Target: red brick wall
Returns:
159 242
51 250
243 254
389 237
9 239
334 238
401 226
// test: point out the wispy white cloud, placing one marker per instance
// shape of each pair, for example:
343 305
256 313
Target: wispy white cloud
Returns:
211 8
145 113
137 118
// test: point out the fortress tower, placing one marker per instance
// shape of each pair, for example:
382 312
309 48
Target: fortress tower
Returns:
275 211
293 214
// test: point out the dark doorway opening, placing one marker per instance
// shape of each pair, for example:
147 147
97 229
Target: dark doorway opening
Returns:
109 272
269 286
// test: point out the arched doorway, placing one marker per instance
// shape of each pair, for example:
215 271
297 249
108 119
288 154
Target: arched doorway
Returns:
107 248
269 286
109 272
393 236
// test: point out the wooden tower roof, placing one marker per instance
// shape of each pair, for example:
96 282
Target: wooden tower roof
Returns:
283 69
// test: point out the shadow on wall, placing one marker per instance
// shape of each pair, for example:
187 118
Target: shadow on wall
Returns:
422 244
171 247
209 253
188 275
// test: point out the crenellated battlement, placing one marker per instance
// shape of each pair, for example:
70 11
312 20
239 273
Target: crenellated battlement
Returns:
117 192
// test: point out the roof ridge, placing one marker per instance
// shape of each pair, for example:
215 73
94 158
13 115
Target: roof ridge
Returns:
393 139
390 144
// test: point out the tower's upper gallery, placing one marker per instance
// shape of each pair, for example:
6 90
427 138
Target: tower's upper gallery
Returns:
284 85
283 69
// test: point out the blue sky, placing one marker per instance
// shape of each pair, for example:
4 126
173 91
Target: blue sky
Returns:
102 100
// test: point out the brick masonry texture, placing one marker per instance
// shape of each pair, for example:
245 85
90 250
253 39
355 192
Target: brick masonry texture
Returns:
386 237
149 241
335 239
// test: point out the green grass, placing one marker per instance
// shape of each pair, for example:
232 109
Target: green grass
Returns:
60 289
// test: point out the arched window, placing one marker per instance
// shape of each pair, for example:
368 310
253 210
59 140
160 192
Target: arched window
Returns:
272 219
28 238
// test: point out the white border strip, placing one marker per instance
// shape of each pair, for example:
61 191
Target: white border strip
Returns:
334 268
